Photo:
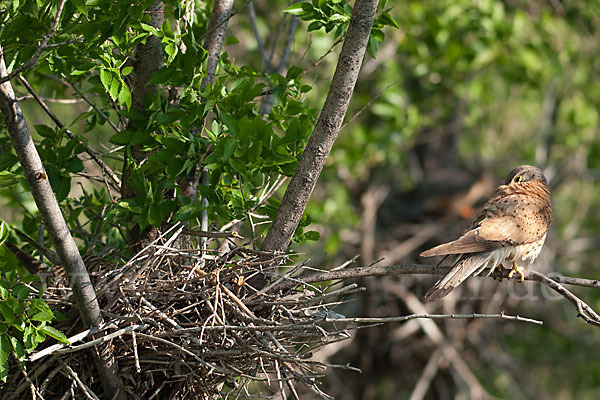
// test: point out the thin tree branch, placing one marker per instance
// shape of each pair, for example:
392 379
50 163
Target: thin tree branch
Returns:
107 170
66 248
64 81
215 37
259 41
324 56
326 130
433 316
555 282
584 311
6 77
148 60
419 269
363 108
267 103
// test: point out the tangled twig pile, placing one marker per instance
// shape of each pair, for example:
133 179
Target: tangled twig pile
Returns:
187 325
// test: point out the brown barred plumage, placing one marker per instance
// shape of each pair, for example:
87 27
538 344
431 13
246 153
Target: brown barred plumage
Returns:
511 226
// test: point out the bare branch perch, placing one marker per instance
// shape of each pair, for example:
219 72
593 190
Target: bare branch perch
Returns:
553 281
584 311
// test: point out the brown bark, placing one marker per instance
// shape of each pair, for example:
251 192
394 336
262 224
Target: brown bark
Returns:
34 171
148 60
326 130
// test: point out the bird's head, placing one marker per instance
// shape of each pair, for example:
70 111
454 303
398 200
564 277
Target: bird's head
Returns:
525 173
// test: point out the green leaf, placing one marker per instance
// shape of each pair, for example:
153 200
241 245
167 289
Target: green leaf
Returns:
151 29
105 78
81 6
21 292
5 348
166 29
315 25
122 138
41 311
378 35
7 312
45 131
230 122
339 17
230 146
7 161
231 40
126 70
373 47
171 51
387 19
61 185
296 9
312 235
4 232
254 151
55 333
74 164
125 96
115 85
18 348
293 73
8 178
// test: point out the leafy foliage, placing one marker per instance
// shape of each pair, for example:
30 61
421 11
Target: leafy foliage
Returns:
24 316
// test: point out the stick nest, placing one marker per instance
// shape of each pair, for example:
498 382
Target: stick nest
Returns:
186 324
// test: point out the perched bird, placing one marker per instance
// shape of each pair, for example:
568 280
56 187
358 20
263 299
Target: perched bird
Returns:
511 226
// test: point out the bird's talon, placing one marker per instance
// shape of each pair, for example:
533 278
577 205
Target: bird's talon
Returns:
517 270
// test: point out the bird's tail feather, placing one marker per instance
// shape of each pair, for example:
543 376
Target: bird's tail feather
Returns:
464 267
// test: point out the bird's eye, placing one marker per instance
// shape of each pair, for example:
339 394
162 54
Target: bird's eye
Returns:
517 179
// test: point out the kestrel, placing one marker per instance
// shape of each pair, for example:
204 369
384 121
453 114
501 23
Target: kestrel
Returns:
511 226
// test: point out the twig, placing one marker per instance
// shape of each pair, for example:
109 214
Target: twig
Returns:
584 311
333 46
259 41
87 100
34 391
417 269
433 316
86 390
363 108
39 50
186 351
232 234
65 349
71 135
427 375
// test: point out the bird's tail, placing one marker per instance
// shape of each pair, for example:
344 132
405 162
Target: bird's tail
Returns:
466 266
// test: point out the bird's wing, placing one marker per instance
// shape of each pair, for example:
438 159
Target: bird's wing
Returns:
470 242
506 219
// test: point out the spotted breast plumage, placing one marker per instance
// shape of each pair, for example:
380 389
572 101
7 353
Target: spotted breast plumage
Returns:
511 226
